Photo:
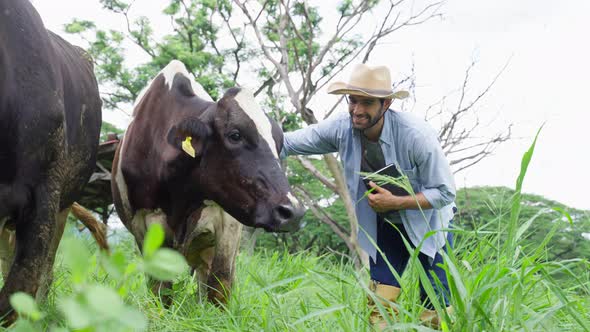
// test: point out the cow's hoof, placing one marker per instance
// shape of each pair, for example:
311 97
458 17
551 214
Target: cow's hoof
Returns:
218 297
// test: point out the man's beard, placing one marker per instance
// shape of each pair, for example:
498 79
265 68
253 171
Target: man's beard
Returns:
371 121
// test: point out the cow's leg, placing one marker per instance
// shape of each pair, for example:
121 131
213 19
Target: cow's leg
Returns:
199 250
7 243
47 275
34 238
201 259
224 263
146 218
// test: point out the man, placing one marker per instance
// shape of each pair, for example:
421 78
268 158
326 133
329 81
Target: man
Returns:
371 137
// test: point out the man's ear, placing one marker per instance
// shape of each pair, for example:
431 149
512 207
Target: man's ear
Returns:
189 136
387 103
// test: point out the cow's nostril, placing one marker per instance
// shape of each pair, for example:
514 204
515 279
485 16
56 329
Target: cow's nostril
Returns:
284 212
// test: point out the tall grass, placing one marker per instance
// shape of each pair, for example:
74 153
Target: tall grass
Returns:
497 284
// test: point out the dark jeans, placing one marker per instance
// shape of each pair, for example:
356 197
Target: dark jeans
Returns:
389 240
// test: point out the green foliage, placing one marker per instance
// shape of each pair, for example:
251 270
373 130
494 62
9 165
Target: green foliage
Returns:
480 206
107 128
278 291
25 305
79 26
193 43
93 305
161 263
154 239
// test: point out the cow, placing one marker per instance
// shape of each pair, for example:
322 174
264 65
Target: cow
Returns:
201 169
50 118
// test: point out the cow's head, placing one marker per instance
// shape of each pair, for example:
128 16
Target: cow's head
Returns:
236 164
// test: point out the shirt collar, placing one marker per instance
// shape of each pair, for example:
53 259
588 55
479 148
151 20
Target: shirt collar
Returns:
386 132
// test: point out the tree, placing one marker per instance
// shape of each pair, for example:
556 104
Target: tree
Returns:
480 206
292 52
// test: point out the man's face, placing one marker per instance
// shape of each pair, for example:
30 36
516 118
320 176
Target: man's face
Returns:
364 111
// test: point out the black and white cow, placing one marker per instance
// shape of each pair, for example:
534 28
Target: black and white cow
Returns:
227 173
50 117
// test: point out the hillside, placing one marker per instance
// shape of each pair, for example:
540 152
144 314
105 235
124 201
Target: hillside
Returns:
479 206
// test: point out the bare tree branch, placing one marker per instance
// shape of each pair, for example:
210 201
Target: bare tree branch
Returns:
239 44
320 213
311 168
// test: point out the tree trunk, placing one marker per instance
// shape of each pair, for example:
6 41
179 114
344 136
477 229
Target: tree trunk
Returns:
360 256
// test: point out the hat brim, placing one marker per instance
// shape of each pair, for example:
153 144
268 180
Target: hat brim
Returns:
341 88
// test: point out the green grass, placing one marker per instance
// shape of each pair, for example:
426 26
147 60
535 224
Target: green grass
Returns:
493 291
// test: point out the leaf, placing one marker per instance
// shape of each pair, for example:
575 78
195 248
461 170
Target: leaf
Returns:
79 26
133 318
76 257
516 198
165 264
23 325
24 304
153 240
115 264
58 329
320 313
77 314
104 301
564 213
172 9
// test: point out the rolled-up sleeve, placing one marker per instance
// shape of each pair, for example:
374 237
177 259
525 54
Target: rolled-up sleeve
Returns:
434 172
319 138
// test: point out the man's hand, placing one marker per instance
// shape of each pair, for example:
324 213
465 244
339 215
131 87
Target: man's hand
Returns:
382 200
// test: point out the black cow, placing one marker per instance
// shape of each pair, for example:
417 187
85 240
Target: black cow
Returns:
196 166
50 117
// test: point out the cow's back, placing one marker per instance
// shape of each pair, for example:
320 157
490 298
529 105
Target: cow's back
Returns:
49 105
82 111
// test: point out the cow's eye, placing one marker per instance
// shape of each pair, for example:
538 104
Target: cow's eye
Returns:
235 136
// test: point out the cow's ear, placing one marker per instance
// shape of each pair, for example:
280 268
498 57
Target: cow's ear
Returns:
277 134
189 136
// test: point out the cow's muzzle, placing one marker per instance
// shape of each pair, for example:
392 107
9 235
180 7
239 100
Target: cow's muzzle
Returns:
285 218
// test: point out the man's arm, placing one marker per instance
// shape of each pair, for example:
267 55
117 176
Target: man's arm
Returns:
434 171
319 138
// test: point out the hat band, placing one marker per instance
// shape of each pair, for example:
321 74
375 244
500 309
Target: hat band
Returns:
369 91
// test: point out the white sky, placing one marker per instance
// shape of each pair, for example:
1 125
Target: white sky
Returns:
545 81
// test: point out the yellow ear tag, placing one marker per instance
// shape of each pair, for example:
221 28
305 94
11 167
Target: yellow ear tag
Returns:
188 147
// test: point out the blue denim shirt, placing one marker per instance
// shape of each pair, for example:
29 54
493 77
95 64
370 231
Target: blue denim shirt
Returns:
407 141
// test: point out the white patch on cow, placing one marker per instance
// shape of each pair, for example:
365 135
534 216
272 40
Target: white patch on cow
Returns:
169 72
177 67
120 179
227 232
208 202
7 247
143 218
293 200
245 98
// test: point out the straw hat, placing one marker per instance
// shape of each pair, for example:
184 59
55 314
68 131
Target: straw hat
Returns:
369 82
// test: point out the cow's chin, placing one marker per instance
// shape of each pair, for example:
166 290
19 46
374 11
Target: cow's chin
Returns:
281 228
271 221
